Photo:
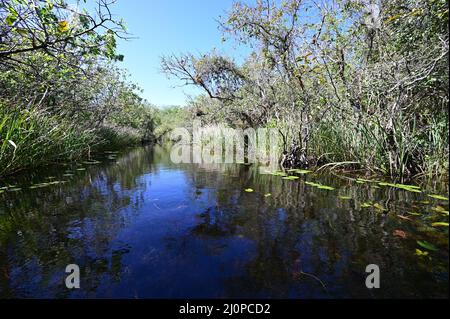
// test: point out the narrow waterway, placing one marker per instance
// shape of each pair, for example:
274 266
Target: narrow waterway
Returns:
140 226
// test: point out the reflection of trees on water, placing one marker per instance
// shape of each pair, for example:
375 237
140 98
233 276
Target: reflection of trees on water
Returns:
301 230
299 236
43 230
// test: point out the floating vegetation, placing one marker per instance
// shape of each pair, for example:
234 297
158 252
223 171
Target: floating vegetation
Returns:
427 245
421 253
268 195
440 209
425 202
329 188
91 162
366 205
438 197
414 214
312 184
291 177
279 173
440 224
367 180
345 197
409 188
249 190
379 207
319 186
42 185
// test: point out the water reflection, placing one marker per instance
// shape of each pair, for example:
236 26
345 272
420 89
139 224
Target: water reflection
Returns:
141 227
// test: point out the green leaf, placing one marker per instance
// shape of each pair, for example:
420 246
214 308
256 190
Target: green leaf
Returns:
379 207
427 245
414 214
291 177
10 19
438 197
440 224
421 253
409 188
329 188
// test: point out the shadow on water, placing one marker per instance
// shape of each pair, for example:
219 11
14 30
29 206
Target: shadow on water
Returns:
140 226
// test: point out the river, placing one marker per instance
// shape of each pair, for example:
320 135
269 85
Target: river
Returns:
139 226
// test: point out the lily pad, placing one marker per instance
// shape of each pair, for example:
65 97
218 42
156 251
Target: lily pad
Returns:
409 188
42 185
414 214
438 197
329 188
279 174
427 245
440 209
91 162
421 253
440 224
379 207
320 186
312 184
291 177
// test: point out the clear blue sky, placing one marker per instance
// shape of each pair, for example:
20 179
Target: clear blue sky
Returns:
164 27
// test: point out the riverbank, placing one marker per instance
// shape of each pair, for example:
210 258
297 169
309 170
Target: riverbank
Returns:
31 139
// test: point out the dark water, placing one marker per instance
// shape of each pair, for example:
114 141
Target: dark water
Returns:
141 227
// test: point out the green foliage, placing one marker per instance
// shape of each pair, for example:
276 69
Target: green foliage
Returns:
30 138
61 94
352 82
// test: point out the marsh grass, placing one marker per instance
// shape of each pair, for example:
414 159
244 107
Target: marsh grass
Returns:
409 152
32 138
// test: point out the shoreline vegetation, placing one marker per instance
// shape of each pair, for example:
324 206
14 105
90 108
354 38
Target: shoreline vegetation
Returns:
350 87
62 95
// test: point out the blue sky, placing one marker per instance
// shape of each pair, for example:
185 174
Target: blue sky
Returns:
164 27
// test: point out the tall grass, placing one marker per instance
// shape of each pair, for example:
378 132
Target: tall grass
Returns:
33 138
29 138
418 152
